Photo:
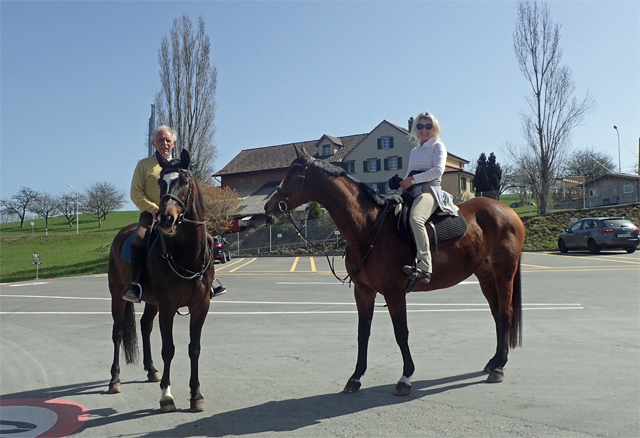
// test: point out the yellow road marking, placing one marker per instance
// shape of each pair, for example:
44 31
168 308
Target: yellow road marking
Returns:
313 264
242 266
295 263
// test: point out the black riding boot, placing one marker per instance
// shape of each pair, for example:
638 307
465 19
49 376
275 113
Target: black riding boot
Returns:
134 293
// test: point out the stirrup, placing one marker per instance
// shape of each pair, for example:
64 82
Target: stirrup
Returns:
416 273
217 291
131 295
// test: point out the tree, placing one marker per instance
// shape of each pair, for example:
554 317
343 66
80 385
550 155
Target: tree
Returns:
487 176
186 101
588 163
20 203
101 199
553 111
68 208
221 204
46 206
315 211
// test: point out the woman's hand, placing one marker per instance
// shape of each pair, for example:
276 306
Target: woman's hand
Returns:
406 183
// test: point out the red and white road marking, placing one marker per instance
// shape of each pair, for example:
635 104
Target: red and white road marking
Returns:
35 417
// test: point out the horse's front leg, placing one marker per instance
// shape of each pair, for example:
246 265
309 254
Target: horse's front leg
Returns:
397 304
198 315
146 326
168 350
365 298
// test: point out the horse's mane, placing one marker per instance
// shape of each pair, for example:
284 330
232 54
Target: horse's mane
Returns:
363 187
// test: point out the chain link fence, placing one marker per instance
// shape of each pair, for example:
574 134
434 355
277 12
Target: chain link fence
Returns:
282 237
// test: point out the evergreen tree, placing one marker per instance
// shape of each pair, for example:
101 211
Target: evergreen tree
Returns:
480 180
494 174
487 178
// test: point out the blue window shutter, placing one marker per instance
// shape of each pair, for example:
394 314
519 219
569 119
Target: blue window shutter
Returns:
365 167
399 162
345 166
390 142
378 165
386 164
379 143
381 187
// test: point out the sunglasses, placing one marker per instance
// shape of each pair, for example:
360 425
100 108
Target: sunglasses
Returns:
420 126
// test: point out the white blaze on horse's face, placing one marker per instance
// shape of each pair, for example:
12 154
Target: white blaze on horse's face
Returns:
170 178
274 192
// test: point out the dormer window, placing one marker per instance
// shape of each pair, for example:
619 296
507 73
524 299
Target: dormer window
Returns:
327 150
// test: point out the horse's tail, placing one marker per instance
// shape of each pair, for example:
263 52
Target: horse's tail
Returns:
515 334
130 338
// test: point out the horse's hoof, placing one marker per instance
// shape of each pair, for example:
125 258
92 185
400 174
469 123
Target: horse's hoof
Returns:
167 405
197 405
402 389
495 376
153 376
115 388
352 386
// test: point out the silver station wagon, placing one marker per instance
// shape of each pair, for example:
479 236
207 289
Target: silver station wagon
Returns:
597 233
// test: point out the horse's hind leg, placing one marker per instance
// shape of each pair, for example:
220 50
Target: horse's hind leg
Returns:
397 305
498 290
117 334
198 315
146 326
365 297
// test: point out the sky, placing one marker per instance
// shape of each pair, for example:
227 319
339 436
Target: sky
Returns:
77 78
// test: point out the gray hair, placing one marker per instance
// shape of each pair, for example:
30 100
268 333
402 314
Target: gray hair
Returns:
164 128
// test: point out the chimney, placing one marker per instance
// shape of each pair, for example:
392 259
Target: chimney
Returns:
410 124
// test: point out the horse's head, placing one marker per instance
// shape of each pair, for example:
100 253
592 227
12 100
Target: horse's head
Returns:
288 195
176 191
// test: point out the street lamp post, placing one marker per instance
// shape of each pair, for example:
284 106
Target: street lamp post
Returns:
77 220
619 166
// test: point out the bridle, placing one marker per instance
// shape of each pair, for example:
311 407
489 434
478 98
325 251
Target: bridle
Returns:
284 207
184 273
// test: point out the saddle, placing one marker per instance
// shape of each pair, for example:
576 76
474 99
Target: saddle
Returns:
125 253
441 226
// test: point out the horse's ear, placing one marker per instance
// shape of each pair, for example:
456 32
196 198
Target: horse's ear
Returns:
304 152
184 159
162 161
296 149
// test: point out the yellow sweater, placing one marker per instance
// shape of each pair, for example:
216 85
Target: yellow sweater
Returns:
145 192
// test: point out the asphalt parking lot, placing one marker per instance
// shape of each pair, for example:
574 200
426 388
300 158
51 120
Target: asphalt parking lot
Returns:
280 345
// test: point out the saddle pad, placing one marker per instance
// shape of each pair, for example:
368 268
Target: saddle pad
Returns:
448 227
125 254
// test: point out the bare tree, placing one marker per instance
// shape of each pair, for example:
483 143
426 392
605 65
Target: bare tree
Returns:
589 163
20 203
186 101
553 111
101 199
221 204
68 208
46 206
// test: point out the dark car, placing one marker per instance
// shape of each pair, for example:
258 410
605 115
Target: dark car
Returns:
596 233
220 249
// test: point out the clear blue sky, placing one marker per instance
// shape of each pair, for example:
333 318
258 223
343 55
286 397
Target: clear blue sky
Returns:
78 77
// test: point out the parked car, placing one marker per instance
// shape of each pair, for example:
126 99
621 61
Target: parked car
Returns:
220 249
596 233
520 204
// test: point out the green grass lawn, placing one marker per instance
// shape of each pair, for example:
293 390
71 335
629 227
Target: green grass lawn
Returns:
63 253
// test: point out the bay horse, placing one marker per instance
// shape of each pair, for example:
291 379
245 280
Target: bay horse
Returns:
178 272
490 249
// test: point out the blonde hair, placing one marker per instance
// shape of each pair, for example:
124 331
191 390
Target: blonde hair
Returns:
413 134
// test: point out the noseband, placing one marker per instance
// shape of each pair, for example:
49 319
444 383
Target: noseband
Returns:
282 205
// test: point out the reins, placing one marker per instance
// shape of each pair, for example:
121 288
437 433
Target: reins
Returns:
166 251
284 207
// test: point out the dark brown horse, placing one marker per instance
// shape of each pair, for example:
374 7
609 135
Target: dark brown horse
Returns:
489 249
178 273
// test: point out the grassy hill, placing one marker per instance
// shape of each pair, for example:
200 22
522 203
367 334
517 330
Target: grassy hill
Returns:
65 254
